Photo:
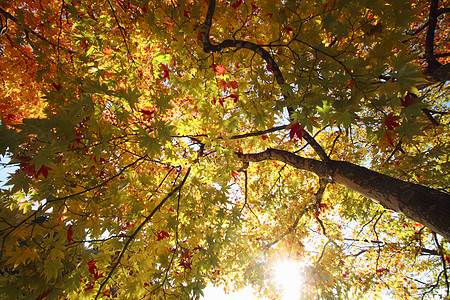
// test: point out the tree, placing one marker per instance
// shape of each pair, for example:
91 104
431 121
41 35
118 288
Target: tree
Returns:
180 142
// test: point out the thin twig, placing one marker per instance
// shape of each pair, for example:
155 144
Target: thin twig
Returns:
138 229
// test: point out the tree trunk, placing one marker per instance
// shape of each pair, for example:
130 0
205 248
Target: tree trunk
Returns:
427 206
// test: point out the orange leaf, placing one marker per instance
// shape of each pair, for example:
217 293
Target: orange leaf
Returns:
220 69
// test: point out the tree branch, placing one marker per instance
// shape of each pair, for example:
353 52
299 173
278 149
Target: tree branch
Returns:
263 53
8 16
425 205
434 69
429 40
138 229
318 195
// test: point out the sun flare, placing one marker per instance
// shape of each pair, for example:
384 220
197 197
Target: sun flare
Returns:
287 275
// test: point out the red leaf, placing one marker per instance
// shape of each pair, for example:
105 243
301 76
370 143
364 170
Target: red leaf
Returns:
147 113
57 86
89 287
388 138
264 137
233 84
187 14
235 97
237 3
289 29
186 264
165 71
162 235
93 270
91 14
223 85
234 174
91 263
220 69
350 83
296 130
27 168
391 121
69 234
43 170
409 99
200 36
322 206
97 276
269 68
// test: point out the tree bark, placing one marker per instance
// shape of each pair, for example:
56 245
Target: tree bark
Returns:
425 205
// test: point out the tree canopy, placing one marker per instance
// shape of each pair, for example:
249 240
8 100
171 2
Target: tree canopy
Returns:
163 145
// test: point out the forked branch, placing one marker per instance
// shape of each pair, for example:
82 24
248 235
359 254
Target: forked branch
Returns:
263 53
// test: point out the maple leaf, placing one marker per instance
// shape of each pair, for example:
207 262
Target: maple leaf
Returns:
97 276
289 29
264 137
234 174
410 99
233 84
165 71
57 86
26 168
92 266
391 121
43 170
69 234
295 130
237 3
200 36
220 69
162 235
350 83
387 137
223 85
91 14
186 264
147 113
235 97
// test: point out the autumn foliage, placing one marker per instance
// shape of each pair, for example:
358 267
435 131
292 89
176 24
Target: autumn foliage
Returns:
159 146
